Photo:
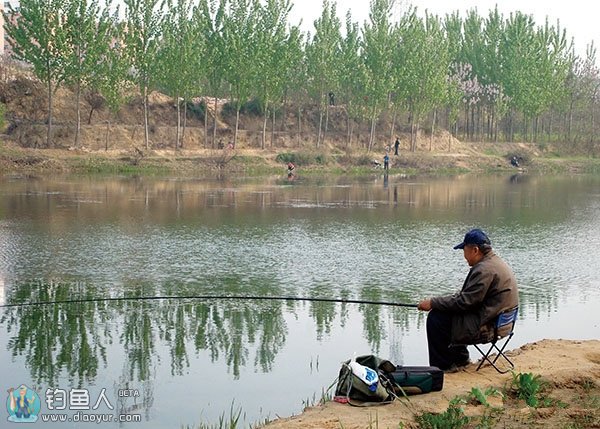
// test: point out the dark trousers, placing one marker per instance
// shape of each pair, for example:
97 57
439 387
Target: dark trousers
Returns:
439 329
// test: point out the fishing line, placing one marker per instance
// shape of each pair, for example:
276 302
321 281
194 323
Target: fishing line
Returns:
207 297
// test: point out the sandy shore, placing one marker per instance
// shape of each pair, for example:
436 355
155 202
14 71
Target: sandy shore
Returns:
571 368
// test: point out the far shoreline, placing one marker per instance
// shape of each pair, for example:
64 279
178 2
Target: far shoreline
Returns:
477 158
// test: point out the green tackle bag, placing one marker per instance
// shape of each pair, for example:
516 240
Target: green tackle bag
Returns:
353 390
417 379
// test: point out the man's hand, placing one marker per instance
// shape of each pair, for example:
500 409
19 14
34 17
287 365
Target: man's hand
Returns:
425 305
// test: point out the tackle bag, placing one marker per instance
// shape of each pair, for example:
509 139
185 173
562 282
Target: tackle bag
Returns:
366 385
415 380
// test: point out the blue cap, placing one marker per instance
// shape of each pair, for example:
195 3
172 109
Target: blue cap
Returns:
476 237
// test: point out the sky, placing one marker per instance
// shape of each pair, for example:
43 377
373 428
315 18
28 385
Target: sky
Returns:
581 18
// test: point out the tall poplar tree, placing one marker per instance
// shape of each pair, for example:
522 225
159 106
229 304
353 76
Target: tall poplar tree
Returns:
39 38
322 55
378 45
141 35
89 34
175 65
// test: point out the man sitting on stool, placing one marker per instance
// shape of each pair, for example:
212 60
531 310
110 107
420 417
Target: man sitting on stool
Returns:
467 316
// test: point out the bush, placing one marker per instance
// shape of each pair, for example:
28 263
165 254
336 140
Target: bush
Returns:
196 110
251 108
296 158
321 159
364 160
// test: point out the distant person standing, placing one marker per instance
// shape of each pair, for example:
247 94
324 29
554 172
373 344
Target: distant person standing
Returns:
396 146
386 162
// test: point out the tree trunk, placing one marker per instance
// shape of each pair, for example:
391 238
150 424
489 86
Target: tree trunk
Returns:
107 133
177 133
351 133
205 123
272 127
214 139
372 134
237 124
348 130
413 134
146 136
89 121
570 123
326 123
50 106
393 125
299 125
264 133
78 127
466 123
432 130
184 122
320 126
473 126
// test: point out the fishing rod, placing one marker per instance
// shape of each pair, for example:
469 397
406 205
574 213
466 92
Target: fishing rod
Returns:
207 297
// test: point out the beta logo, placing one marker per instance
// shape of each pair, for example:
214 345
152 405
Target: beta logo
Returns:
23 405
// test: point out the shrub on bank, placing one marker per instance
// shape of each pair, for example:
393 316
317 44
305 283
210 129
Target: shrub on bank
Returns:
302 158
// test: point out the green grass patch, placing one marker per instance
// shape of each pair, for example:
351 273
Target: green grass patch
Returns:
105 166
453 418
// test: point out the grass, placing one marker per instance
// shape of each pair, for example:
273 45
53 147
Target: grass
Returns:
528 387
453 418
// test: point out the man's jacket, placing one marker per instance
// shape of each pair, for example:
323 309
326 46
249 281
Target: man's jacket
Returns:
489 289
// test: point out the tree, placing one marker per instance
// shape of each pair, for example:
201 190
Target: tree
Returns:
352 75
141 35
378 45
109 80
39 37
89 32
239 33
322 54
272 43
175 65
426 62
211 21
295 81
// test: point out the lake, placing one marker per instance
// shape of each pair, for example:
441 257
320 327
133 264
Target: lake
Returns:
110 243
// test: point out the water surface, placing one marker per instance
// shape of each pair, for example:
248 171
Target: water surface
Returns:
189 360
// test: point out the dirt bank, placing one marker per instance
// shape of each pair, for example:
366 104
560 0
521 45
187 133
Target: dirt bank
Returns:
475 158
571 398
114 142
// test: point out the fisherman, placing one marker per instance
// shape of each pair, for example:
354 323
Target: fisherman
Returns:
396 146
386 162
22 405
291 167
467 317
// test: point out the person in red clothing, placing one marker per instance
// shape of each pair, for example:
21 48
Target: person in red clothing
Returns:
291 167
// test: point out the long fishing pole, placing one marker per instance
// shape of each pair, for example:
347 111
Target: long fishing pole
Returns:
207 297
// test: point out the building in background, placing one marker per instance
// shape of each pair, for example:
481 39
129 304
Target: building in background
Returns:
5 6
